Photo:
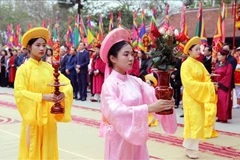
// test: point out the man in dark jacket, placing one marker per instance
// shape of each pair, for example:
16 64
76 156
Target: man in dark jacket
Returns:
176 82
71 71
83 59
63 61
207 60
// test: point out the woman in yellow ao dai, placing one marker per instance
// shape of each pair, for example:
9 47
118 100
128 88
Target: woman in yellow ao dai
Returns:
198 90
34 99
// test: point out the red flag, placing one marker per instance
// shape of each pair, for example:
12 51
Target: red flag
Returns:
43 24
119 19
29 26
183 36
153 28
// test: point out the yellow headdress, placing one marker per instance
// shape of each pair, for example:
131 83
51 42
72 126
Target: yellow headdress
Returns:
150 77
193 41
38 32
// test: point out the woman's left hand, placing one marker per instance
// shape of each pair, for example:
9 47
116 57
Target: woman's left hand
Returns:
60 97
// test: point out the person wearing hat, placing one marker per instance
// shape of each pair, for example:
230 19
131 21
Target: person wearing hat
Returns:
34 99
126 101
237 77
224 70
198 90
152 81
97 69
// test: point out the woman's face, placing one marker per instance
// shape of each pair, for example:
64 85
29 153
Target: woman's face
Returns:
15 53
49 53
220 57
149 82
38 49
124 60
195 51
97 50
140 54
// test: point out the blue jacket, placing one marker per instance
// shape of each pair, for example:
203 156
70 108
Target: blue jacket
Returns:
83 60
71 63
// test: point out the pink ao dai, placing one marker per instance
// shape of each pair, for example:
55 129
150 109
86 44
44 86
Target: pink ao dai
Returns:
124 106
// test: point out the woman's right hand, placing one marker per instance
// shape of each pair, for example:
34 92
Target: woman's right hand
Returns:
161 105
50 97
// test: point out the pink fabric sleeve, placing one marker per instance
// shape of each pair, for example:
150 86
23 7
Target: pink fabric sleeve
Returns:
168 122
131 122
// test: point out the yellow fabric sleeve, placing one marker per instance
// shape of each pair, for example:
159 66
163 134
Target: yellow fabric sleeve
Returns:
28 103
201 92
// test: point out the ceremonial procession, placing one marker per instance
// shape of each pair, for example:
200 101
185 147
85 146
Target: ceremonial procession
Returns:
120 80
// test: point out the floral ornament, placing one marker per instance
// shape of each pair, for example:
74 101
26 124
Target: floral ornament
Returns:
166 52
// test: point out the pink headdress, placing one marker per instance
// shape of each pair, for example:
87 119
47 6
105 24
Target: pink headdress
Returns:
113 37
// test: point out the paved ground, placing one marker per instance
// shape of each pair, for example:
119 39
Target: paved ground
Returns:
79 138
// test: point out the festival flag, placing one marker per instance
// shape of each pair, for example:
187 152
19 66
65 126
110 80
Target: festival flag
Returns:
142 32
119 19
166 22
90 36
76 31
56 31
69 35
100 35
200 28
43 24
50 42
18 36
183 35
81 28
10 34
217 38
111 22
29 26
153 28
224 13
134 31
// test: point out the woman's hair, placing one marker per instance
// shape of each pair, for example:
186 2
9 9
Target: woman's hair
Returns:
226 44
114 51
209 48
31 41
144 56
224 52
5 52
49 49
192 47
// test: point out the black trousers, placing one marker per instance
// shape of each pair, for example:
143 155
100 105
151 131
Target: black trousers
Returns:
177 96
73 79
82 85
